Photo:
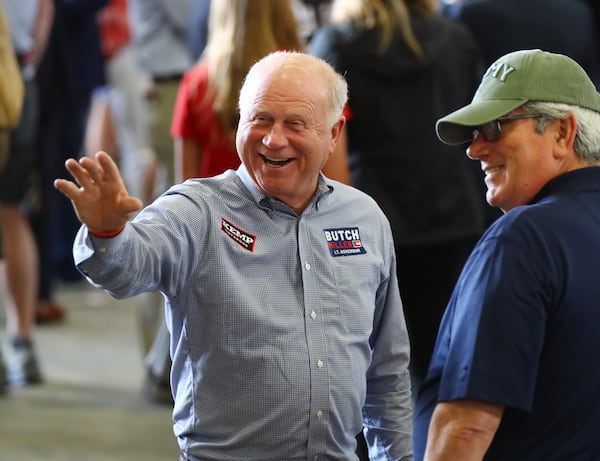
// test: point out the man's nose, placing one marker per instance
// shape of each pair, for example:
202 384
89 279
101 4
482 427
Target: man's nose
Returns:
476 149
275 138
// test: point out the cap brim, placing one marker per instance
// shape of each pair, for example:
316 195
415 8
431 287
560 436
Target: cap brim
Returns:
457 127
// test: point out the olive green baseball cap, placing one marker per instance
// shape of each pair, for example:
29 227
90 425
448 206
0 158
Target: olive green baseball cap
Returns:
513 80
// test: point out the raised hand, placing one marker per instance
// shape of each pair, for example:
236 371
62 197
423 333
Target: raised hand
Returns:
99 198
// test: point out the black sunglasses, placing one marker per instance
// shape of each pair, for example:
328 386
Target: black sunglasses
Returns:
492 130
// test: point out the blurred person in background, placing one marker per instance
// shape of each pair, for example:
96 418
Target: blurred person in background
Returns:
528 24
159 32
12 92
30 23
85 72
12 88
197 30
310 14
119 121
70 69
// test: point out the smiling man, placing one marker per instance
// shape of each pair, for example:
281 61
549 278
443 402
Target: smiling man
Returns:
281 297
514 372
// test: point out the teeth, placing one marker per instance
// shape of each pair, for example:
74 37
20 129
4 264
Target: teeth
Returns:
491 170
276 160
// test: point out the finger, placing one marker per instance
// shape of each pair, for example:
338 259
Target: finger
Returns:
113 174
68 188
109 167
94 170
79 173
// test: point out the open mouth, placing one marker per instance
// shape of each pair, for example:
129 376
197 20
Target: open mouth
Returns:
276 162
492 170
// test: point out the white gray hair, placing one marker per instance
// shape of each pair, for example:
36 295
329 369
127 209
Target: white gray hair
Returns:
587 138
338 87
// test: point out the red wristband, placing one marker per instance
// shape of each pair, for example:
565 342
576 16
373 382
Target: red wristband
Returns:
109 234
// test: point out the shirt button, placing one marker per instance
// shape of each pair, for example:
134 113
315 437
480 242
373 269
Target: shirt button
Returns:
319 413
102 250
320 363
313 315
307 266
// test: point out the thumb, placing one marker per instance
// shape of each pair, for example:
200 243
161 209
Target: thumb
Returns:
131 204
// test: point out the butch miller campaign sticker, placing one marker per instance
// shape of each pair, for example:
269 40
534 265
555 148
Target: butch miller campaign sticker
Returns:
344 241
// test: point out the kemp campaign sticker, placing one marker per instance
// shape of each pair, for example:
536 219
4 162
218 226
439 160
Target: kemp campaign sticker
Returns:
241 237
344 241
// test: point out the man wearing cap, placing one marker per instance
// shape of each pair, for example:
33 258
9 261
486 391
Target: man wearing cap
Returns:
514 374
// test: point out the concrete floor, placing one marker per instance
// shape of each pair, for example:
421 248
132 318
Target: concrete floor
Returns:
90 406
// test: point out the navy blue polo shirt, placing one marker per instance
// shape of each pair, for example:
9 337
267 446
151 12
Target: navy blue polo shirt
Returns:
522 328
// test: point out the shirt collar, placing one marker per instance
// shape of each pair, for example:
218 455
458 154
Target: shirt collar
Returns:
582 180
324 187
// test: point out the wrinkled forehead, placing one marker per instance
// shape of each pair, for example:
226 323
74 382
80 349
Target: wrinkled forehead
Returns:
288 79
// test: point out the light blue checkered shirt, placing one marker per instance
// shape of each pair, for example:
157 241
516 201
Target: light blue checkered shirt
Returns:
284 327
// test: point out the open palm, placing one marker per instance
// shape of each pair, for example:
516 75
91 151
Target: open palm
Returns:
100 198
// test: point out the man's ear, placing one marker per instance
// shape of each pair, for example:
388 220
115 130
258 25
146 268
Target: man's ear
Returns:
336 131
337 166
565 134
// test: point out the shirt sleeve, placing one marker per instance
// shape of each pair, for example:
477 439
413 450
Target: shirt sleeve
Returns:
495 326
152 253
387 412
